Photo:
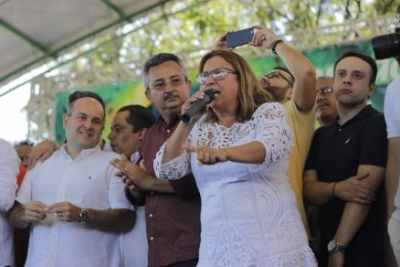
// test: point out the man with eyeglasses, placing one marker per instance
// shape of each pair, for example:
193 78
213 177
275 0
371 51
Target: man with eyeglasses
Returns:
293 87
128 129
172 206
327 109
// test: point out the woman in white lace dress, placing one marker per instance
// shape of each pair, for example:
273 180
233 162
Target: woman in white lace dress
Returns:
238 151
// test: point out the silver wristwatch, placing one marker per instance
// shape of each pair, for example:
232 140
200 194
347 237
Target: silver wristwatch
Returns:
83 216
334 246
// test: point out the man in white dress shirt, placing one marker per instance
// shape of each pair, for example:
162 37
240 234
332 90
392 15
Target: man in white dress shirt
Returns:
8 186
127 131
73 201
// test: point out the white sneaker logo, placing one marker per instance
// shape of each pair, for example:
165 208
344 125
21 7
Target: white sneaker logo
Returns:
347 141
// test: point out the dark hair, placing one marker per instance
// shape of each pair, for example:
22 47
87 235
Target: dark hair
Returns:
251 94
371 62
81 94
325 78
158 60
287 71
25 142
139 117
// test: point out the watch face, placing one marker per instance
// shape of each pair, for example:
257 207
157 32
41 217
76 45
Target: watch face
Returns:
331 245
83 216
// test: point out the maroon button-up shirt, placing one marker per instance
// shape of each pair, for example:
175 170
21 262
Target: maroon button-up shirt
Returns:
172 220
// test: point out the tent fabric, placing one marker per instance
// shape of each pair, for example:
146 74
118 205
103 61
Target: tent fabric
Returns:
32 32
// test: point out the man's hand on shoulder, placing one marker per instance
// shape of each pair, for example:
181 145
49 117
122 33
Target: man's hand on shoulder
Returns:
41 152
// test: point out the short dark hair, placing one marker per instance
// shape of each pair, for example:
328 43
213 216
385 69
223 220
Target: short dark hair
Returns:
158 60
81 94
139 117
287 71
25 142
371 62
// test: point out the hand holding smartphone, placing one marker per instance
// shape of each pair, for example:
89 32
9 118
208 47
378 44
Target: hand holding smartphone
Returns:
238 38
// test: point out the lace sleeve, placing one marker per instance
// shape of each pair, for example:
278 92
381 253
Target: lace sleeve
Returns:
273 131
174 169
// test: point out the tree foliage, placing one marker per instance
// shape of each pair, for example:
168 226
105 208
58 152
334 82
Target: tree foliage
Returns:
188 28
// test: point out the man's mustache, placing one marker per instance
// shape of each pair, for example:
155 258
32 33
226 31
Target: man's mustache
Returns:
169 95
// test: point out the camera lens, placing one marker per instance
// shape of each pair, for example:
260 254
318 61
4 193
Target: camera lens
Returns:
386 46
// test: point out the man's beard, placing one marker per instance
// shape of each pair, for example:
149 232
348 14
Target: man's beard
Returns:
278 93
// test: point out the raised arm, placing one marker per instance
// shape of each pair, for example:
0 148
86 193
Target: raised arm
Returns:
301 68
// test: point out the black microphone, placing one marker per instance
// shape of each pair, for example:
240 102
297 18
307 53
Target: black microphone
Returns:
199 105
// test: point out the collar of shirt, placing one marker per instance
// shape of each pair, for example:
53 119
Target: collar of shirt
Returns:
84 152
364 113
172 123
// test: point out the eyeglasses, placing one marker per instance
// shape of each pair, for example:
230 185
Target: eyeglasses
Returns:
277 75
325 91
161 85
217 74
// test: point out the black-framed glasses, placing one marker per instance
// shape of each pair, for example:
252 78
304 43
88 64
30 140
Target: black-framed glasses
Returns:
325 91
217 74
276 75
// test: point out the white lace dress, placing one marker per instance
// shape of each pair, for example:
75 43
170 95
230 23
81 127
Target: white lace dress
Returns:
248 214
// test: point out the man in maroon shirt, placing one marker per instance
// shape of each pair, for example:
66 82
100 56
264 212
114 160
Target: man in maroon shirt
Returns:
172 206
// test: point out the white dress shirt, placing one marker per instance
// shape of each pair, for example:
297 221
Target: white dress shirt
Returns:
392 117
8 186
134 246
87 181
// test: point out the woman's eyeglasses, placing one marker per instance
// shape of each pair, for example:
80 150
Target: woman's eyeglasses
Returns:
276 75
217 74
325 91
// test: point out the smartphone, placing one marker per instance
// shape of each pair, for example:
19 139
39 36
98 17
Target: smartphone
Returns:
239 38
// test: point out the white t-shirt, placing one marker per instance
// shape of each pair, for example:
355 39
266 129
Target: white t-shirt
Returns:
392 117
8 186
87 181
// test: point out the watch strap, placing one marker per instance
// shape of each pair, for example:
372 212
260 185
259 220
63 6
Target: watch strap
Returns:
274 44
334 246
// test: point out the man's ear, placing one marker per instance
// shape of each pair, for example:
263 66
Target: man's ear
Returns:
147 93
371 89
65 120
141 134
289 93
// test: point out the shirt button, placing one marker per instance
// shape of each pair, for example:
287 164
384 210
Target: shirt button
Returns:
151 238
168 131
151 215
151 193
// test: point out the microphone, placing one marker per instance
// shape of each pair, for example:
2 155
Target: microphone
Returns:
199 105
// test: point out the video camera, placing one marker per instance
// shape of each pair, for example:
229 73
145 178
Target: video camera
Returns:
388 45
